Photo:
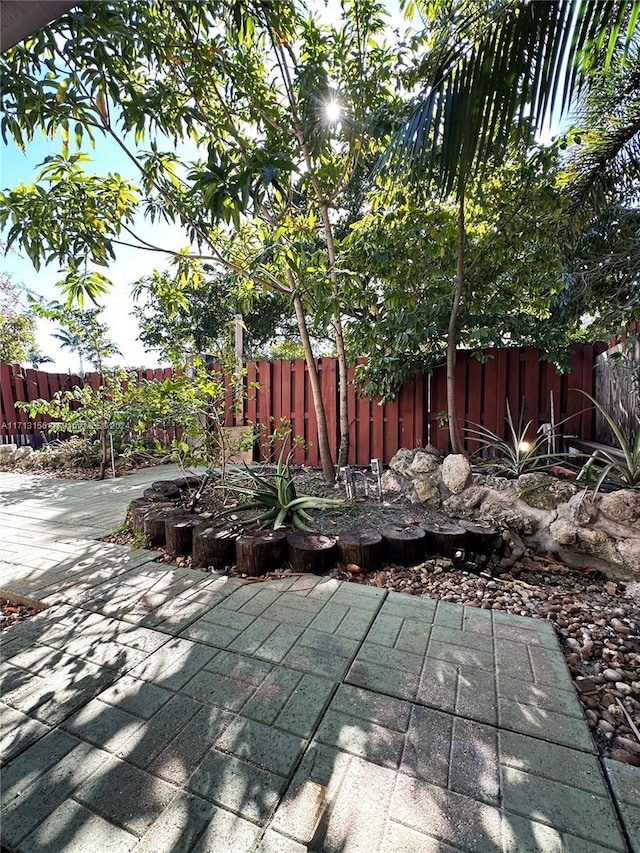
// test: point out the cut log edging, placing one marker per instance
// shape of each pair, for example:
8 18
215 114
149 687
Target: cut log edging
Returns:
221 546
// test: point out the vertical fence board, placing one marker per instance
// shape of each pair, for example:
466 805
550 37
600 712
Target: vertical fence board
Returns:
20 394
8 402
531 391
329 387
353 417
363 428
462 383
311 432
420 426
473 413
250 405
391 431
574 401
439 428
298 420
490 402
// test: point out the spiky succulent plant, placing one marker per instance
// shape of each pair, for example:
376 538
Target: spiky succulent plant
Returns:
276 501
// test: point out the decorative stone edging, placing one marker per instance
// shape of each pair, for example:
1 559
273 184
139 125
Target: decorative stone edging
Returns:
549 514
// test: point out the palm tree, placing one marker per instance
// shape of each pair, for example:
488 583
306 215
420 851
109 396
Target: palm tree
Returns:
498 70
605 164
601 179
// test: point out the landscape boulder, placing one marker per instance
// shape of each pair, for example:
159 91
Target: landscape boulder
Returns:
7 454
549 514
456 471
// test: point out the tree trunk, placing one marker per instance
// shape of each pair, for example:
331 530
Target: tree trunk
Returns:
343 398
214 546
452 337
324 449
154 525
104 454
445 539
162 493
480 540
343 410
178 534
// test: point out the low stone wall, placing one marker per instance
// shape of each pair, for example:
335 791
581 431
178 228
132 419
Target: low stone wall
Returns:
549 514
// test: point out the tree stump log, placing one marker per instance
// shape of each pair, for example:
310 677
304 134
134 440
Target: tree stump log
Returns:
159 492
139 507
479 540
154 524
311 552
188 483
362 549
178 534
214 546
403 545
446 539
261 552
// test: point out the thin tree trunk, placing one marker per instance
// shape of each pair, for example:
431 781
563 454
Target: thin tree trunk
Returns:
343 400
343 410
452 337
104 454
324 449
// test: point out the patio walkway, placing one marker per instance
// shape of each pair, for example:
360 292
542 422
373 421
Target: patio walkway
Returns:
158 709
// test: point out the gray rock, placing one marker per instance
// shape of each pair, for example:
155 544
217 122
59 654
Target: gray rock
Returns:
502 509
402 461
564 531
622 506
423 463
7 454
612 674
391 482
456 471
466 504
23 452
629 550
427 491
544 491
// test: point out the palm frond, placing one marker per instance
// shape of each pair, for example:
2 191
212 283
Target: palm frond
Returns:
607 160
503 78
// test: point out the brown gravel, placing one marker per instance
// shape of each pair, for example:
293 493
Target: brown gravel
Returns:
11 613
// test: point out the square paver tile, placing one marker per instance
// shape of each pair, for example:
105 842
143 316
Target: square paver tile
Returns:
268 748
35 802
625 781
125 795
238 785
564 807
179 826
73 827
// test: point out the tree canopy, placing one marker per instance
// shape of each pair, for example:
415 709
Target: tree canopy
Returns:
386 192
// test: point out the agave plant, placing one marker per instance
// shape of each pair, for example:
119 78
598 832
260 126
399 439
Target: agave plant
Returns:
515 454
604 469
276 500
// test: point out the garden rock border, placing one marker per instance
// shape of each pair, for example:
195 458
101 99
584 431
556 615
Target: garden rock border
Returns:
549 514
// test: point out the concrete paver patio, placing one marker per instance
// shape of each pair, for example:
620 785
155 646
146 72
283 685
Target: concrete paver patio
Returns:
151 708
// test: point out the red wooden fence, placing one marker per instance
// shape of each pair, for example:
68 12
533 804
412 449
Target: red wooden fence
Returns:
280 390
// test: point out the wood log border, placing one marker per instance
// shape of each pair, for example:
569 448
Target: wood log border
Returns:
258 552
